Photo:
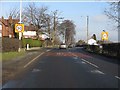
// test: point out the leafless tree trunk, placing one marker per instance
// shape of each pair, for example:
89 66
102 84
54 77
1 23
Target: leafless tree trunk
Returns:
67 28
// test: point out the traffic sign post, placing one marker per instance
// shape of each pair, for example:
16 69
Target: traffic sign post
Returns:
19 28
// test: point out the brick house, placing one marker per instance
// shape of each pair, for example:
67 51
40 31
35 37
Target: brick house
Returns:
8 26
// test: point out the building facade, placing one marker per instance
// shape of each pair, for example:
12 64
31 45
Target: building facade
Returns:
7 26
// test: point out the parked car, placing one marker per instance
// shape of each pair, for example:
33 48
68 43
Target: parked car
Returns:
63 46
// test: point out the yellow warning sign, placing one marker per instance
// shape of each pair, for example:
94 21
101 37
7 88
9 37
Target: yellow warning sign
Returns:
104 35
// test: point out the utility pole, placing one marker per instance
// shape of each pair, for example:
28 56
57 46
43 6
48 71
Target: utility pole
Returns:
119 21
87 28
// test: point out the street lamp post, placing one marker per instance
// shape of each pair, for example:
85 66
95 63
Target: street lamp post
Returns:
20 33
87 28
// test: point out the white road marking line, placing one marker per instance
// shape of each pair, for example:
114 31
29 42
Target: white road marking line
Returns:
83 62
117 77
90 63
48 50
75 57
97 71
36 70
33 60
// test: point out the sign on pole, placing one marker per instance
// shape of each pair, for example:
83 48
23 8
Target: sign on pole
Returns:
19 28
104 36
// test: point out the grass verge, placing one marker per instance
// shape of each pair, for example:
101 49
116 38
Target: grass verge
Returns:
11 55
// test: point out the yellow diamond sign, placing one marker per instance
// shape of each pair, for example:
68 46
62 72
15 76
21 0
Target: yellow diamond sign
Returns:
19 28
104 35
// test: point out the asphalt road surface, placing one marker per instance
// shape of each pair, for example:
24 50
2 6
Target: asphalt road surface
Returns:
67 68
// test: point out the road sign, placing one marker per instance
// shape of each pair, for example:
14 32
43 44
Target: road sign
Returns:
19 28
104 35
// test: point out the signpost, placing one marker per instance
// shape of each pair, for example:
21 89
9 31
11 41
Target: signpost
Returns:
19 28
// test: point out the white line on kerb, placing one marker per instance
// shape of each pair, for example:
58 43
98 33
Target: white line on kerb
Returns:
117 77
33 60
90 63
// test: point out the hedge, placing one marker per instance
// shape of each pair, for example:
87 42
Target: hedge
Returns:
31 42
111 49
10 44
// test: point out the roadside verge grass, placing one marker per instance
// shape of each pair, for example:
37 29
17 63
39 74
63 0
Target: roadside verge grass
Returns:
11 55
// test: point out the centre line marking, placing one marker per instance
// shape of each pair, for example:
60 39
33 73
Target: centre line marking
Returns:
90 63
33 60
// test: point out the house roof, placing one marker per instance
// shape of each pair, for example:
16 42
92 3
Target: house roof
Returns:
15 21
6 21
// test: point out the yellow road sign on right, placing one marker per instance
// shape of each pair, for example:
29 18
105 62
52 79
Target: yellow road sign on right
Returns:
104 36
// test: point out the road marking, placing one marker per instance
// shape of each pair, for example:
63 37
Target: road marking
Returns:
75 57
90 63
83 62
33 60
97 71
36 70
117 77
48 50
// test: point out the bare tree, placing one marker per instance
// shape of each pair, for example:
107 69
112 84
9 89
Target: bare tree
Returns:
113 11
36 16
67 29
55 23
14 13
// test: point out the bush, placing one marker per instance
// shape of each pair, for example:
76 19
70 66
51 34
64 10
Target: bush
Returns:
31 42
9 44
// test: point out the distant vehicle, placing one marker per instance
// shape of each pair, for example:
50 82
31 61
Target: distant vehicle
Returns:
63 46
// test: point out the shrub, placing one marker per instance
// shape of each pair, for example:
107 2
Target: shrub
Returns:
10 44
31 42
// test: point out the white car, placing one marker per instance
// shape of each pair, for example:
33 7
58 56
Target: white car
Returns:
63 46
